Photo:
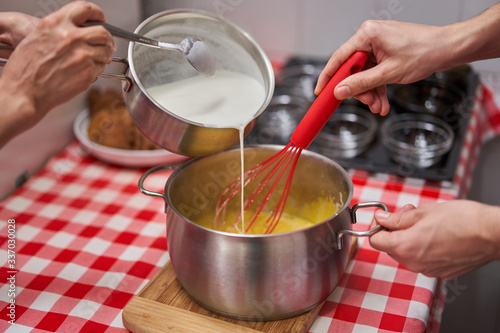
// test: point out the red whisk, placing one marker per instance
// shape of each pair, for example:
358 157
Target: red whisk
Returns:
286 159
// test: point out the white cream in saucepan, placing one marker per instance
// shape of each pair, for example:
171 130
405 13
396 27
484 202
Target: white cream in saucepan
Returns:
228 100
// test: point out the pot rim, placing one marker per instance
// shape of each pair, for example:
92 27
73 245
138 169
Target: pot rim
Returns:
343 172
202 13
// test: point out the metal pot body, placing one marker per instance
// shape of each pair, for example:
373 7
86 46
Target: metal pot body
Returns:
233 50
257 277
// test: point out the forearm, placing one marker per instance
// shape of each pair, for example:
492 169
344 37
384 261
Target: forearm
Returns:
475 39
16 112
489 229
15 108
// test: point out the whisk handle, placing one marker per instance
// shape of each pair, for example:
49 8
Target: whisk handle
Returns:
325 104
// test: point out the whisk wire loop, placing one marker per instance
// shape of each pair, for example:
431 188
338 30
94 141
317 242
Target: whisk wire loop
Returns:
292 153
308 128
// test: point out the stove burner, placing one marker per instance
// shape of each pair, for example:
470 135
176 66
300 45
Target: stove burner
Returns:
443 95
347 134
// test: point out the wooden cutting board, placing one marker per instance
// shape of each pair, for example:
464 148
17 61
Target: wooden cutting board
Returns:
164 306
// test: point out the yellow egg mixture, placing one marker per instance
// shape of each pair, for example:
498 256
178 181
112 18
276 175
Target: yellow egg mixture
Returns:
301 217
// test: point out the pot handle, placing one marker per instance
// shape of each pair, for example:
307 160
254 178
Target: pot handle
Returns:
121 76
341 233
148 173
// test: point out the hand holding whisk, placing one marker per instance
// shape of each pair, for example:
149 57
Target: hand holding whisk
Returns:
267 174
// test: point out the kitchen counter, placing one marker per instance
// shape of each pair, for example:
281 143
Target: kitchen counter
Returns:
78 241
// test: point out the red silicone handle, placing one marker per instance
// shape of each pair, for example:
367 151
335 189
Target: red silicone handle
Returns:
326 103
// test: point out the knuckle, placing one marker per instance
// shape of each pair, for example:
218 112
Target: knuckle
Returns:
81 57
49 21
371 28
401 250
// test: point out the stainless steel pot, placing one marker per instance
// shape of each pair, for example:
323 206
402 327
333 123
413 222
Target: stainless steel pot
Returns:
233 50
258 277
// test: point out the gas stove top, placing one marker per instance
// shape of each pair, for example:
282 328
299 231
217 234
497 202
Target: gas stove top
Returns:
448 96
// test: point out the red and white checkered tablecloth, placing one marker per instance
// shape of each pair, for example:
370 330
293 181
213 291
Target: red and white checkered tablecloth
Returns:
84 241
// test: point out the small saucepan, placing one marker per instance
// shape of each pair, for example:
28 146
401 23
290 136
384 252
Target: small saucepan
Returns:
259 277
233 50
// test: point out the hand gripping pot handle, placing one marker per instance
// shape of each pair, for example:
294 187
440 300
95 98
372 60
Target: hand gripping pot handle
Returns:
120 76
378 227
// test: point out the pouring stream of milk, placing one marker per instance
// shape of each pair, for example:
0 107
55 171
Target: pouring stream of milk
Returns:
228 100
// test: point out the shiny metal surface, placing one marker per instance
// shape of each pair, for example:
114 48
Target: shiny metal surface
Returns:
257 277
416 139
195 51
232 48
348 133
277 123
430 97
355 208
300 79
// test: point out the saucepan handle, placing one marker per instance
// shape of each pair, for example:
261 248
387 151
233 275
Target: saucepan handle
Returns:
120 76
365 233
149 173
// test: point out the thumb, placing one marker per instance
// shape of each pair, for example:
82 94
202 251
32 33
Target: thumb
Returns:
361 82
396 221
385 239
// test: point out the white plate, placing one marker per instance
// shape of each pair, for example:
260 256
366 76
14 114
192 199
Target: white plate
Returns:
123 157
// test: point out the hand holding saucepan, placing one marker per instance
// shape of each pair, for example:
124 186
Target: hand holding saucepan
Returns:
442 240
50 63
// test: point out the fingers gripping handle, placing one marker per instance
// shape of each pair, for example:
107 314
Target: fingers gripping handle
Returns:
377 228
326 103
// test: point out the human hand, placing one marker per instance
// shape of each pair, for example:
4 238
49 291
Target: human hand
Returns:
398 52
58 60
442 240
13 28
